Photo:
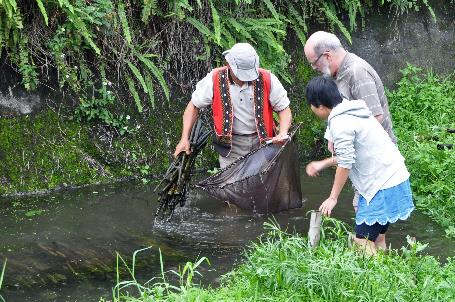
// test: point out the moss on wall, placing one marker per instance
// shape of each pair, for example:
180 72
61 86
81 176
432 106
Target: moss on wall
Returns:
42 152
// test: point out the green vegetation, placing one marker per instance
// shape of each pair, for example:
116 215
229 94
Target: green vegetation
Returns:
36 156
117 60
423 108
88 45
2 274
282 267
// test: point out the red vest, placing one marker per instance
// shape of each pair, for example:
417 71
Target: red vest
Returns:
223 117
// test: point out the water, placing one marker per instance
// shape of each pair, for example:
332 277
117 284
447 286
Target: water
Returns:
66 249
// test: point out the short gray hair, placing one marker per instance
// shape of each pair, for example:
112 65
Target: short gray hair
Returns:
326 41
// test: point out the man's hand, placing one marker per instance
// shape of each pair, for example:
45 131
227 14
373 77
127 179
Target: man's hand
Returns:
313 168
183 145
280 139
327 206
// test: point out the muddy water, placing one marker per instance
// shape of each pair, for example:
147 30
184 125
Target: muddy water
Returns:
62 247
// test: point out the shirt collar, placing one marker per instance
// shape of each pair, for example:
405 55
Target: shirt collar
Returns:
343 65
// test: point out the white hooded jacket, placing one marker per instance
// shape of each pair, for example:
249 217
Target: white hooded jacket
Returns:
364 147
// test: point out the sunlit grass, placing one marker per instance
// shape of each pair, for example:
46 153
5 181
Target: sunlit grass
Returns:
282 267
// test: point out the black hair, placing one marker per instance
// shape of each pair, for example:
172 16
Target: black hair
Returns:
323 91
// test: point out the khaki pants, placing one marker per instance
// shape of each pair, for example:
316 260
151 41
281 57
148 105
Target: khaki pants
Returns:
241 145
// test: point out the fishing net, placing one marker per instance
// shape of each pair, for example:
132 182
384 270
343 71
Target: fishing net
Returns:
174 186
266 180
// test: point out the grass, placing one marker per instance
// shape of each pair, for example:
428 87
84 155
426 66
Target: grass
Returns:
2 274
282 267
423 107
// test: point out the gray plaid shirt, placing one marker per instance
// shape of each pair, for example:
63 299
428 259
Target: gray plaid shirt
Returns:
357 80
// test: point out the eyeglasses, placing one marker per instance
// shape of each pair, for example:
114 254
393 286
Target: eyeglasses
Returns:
315 62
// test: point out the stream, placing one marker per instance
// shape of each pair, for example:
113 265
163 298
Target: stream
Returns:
62 246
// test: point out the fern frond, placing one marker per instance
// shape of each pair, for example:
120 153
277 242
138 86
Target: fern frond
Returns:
331 16
134 93
157 73
138 75
124 21
216 23
149 8
151 91
300 34
272 9
230 40
270 39
80 25
201 28
43 11
295 14
67 5
240 28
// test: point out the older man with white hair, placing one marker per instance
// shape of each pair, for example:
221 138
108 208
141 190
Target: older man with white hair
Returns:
243 98
354 77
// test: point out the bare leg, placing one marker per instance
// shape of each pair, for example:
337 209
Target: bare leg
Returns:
380 242
366 245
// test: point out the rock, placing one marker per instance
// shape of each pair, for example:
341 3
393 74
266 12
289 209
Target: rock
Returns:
18 105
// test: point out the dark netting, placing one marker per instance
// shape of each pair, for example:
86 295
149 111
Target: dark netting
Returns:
266 180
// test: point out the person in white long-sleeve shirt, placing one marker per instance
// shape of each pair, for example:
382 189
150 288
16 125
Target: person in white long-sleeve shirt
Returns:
365 154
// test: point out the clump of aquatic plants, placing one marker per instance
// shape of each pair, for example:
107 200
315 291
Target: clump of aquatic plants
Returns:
282 267
423 108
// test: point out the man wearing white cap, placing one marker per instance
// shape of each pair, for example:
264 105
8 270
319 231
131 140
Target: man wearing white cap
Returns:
243 98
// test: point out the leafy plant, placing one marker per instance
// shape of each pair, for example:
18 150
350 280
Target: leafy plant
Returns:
282 267
423 107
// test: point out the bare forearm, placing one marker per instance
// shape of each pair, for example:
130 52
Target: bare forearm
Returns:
189 117
341 176
329 162
285 119
380 118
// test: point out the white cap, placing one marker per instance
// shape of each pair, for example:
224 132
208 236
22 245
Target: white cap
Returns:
244 61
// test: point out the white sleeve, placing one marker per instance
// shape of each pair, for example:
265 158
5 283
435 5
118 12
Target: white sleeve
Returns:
343 142
328 135
278 95
203 94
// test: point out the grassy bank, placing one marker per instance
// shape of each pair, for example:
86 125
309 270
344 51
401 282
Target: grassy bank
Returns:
282 267
423 108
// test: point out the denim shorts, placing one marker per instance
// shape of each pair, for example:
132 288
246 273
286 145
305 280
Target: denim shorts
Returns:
370 232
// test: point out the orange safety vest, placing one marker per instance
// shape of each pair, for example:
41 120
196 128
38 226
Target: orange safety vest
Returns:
223 117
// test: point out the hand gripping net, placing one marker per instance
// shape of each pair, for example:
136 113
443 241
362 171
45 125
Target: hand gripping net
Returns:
266 180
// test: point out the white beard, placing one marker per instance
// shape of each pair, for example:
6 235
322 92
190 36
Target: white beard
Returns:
325 70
